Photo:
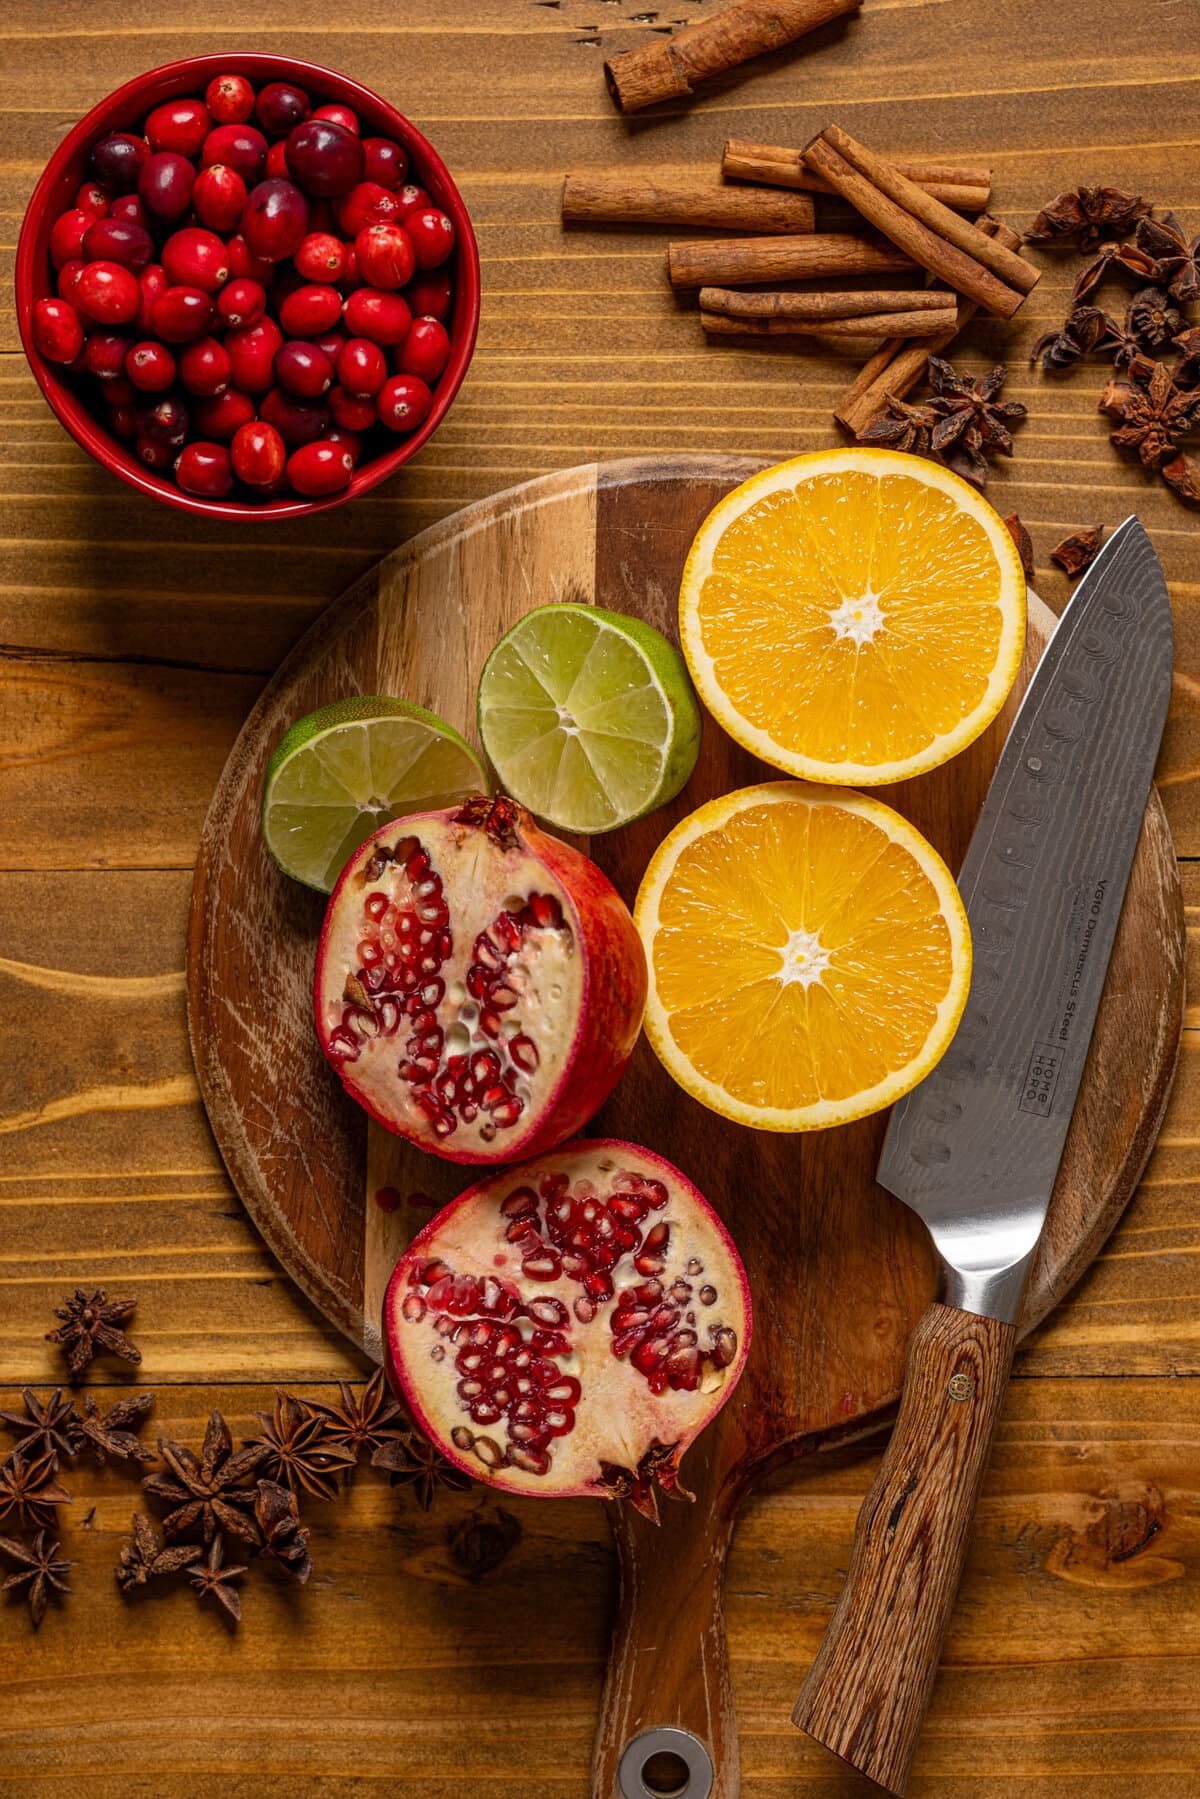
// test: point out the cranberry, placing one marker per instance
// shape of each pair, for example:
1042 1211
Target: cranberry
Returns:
68 275
432 236
324 157
181 314
167 421
180 125
57 330
280 106
67 235
411 198
316 469
205 469
331 344
156 455
277 162
403 402
321 257
362 368
384 162
165 185
386 257
275 219
297 421
430 296
366 204
113 240
93 198
258 454
310 310
349 440
205 367
118 390
425 351
194 257
383 317
252 352
240 146
104 354
221 416
152 284
230 99
121 421
242 302
350 414
117 160
338 114
129 208
350 278
242 262
219 196
107 293
303 370
151 367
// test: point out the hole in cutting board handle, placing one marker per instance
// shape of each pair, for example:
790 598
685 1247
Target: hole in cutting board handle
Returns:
665 1763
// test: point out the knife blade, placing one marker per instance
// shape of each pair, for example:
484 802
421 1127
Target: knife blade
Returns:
975 1148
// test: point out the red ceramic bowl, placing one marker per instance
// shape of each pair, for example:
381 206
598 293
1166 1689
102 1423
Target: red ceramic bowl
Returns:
124 111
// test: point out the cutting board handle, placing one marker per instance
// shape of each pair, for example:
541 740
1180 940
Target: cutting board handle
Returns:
867 1690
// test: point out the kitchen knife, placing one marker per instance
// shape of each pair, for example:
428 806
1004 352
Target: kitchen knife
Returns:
974 1149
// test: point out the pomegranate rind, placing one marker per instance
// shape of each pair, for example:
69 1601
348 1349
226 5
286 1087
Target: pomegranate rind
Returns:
621 1426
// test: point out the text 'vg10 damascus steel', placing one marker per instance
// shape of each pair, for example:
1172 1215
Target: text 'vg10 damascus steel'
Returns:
974 1150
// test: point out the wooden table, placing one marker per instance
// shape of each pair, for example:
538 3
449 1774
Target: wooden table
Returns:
134 641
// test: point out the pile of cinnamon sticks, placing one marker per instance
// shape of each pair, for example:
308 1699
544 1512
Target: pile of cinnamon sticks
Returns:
915 212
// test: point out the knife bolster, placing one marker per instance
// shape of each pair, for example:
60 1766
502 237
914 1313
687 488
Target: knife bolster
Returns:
989 1292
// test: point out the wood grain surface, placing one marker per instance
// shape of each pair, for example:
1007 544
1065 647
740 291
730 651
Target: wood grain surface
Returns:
135 642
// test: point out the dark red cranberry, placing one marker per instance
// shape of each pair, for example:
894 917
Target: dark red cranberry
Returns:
181 314
180 125
252 352
411 198
279 106
129 208
121 421
167 421
117 159
219 196
361 368
430 296
205 470
321 257
258 454
230 99
67 234
350 414
403 402
220 416
303 370
385 255
317 469
242 147
151 367
107 293
274 219
68 275
243 262
156 455
104 354
194 257
425 351
324 157
93 198
57 330
338 115
297 421
366 204
331 344
432 234
118 390
112 240
277 162
205 367
242 302
310 310
152 284
384 162
383 317
349 440
350 278
165 185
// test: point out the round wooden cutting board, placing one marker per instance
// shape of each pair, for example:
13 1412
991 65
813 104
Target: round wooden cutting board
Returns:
840 1270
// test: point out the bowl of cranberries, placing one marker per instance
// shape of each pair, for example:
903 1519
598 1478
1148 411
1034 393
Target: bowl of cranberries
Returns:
248 286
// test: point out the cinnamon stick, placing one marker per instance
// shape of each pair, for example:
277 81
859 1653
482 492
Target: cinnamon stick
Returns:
644 199
735 304
967 190
745 261
920 324
669 68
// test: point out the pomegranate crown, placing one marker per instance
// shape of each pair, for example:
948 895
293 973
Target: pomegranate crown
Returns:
500 817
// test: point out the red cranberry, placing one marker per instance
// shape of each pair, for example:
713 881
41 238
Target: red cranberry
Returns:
279 106
129 208
303 370
425 351
384 162
403 402
167 421
385 255
117 159
180 125
349 440
205 470
366 204
411 198
350 278
297 421
221 416
362 368
242 262
219 196
338 115
57 330
121 421
310 310
93 198
113 240
104 354
194 257
252 353
230 99
321 257
205 367
68 275
331 344
275 219
277 162
240 146
107 293
181 314
156 455
258 454
432 235
242 302
165 185
324 157
317 469
350 414
430 296
151 367
383 317
67 235
152 284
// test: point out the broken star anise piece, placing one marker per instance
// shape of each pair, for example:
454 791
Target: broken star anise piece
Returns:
145 1557
92 1325
1075 552
29 1489
204 1491
108 1433
1127 258
41 1567
362 1421
1183 474
283 1535
1080 332
1020 536
1086 215
295 1448
47 1426
212 1576
1187 373
415 1463
1151 414
972 419
1176 259
1152 319
901 427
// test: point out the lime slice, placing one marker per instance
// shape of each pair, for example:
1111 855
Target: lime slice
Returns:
588 717
342 772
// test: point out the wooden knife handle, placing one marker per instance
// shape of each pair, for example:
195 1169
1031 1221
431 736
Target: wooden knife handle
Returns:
867 1690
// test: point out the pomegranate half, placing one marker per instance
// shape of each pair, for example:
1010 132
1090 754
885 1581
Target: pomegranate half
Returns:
570 1326
479 985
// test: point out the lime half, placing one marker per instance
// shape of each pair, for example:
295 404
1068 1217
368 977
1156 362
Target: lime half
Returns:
342 772
588 717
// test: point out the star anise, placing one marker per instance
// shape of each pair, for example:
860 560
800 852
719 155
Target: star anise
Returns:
283 1535
204 1490
1085 216
1176 260
92 1325
972 419
107 1433
212 1576
1183 474
414 1462
1151 413
50 1426
1127 258
1023 541
1152 318
901 427
1075 552
40 1566
361 1421
29 1490
295 1448
145 1556
1187 373
1080 332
